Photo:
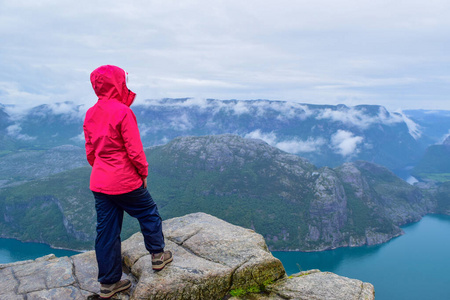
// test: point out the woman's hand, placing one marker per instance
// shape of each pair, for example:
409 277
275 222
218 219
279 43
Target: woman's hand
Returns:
145 182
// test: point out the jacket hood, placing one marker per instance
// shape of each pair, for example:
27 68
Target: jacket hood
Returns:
110 82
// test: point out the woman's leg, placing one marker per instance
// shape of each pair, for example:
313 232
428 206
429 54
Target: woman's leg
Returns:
140 205
107 243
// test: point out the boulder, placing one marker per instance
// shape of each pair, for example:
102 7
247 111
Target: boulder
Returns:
212 260
313 285
316 285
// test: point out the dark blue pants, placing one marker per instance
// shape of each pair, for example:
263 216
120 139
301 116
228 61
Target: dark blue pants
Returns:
138 204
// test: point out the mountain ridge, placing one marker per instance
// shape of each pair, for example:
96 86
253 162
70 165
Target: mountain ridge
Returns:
327 135
291 202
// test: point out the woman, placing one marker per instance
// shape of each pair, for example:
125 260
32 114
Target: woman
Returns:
119 178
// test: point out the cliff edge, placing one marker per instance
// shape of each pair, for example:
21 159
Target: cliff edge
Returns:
212 260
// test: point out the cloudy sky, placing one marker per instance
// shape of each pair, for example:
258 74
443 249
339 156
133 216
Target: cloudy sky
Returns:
393 53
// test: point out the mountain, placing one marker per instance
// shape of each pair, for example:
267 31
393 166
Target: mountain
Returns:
47 126
291 202
57 210
285 198
327 135
434 124
6 141
20 166
435 164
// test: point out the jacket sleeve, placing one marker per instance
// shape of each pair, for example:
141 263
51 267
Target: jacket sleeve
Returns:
133 143
90 153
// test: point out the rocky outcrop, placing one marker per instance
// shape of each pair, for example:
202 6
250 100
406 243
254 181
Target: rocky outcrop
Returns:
212 260
316 285
328 212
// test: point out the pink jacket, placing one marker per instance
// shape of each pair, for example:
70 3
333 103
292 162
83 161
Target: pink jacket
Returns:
113 144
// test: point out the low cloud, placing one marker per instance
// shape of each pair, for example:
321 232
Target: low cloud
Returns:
11 92
359 118
14 132
181 123
78 138
444 137
299 146
413 128
144 129
437 112
349 116
164 141
293 146
269 138
292 110
199 102
345 143
69 109
286 110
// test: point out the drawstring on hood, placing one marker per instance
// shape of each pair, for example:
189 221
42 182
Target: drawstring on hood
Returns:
110 82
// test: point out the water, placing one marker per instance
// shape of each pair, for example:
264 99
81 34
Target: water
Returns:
13 250
415 265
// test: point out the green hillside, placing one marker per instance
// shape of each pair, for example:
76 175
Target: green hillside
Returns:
435 164
56 210
294 205
443 198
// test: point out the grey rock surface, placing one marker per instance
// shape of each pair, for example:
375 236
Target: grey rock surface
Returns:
316 285
211 258
328 211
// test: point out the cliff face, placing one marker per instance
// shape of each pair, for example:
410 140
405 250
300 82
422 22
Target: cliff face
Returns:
361 204
212 260
287 199
327 211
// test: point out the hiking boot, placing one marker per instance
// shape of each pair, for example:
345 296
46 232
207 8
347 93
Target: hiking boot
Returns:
160 260
109 290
